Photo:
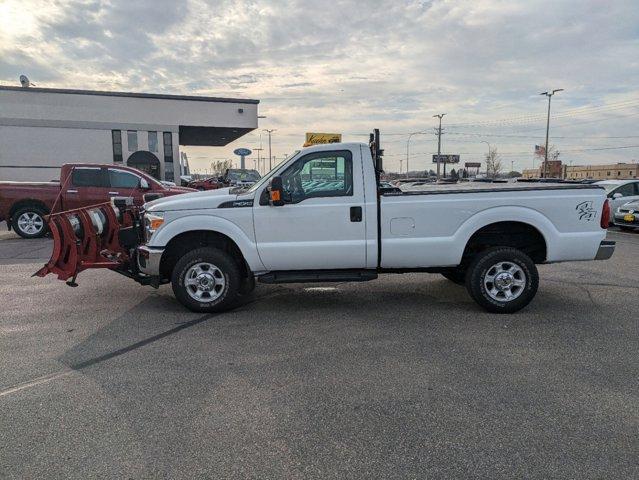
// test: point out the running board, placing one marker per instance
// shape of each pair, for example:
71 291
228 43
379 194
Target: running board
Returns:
308 276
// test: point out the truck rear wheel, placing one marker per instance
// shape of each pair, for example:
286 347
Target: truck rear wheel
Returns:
28 222
502 279
206 280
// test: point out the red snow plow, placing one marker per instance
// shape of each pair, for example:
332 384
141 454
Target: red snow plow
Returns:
100 236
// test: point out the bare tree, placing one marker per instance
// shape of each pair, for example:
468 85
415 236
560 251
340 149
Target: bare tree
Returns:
493 163
220 166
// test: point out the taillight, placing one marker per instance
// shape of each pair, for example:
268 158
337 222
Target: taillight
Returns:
605 214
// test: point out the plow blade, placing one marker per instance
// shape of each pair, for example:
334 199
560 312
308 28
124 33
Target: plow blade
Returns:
86 238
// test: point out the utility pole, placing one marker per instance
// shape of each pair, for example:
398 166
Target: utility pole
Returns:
259 157
270 156
439 143
549 95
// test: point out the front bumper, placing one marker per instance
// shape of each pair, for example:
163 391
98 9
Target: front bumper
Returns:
619 219
149 260
606 249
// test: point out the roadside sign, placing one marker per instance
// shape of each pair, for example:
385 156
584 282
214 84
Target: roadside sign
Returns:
242 152
446 158
319 138
472 165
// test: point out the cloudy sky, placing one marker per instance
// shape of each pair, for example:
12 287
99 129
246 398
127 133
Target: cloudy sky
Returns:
347 67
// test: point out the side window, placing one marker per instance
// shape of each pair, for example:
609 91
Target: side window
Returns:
122 179
87 177
626 190
320 174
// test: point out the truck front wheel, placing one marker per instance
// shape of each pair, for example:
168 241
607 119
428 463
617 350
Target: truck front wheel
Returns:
206 280
502 279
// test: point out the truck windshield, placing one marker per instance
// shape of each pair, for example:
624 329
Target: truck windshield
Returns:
268 176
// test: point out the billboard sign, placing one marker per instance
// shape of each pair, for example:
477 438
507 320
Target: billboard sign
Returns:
319 138
446 158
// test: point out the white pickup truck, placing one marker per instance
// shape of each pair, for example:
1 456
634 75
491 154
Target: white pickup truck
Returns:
320 217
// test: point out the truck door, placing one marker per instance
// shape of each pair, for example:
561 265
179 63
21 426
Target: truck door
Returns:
87 187
321 225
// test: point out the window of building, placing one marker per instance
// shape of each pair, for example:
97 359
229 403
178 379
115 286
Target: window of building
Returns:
153 141
132 140
116 137
608 174
86 177
167 140
122 179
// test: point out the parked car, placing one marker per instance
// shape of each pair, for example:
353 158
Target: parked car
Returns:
236 177
620 191
626 216
25 204
294 226
211 183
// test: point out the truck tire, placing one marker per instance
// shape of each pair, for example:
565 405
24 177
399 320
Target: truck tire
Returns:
247 284
455 275
28 222
206 280
502 279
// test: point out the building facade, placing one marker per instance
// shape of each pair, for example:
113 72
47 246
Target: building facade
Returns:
615 171
602 172
41 129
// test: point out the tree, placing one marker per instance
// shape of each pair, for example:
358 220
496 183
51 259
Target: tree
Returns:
220 166
453 174
493 163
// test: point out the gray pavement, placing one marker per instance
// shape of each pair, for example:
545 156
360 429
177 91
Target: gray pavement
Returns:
404 377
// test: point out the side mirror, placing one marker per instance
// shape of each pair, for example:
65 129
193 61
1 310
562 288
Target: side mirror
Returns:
275 189
144 185
617 195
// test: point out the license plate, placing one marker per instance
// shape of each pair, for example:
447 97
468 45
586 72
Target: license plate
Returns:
629 217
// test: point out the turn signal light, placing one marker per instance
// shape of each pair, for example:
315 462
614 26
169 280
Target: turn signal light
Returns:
156 223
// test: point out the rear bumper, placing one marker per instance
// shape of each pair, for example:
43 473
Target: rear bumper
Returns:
149 260
605 251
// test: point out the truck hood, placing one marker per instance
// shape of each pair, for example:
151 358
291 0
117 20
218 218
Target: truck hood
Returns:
191 201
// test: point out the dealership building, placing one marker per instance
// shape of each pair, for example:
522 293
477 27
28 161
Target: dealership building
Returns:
43 128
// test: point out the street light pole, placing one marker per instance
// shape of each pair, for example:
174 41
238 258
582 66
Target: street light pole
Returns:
270 157
549 95
439 143
487 156
408 146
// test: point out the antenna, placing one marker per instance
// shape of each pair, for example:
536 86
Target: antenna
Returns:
24 81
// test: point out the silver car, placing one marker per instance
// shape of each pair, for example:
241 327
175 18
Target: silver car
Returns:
620 192
627 216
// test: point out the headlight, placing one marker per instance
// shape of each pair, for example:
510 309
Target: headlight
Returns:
152 221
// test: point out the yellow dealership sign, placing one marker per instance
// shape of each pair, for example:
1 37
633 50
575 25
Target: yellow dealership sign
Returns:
317 138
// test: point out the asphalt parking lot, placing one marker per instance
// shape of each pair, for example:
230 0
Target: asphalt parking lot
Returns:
404 377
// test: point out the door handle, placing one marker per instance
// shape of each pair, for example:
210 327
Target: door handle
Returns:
114 193
356 214
72 191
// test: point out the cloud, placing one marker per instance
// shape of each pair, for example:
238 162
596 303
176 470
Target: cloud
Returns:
349 67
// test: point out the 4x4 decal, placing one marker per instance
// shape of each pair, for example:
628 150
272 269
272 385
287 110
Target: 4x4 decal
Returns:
586 211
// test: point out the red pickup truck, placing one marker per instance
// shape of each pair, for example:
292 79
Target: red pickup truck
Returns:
24 204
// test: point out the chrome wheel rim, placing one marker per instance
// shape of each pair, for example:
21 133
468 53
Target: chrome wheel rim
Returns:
505 281
204 282
30 223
